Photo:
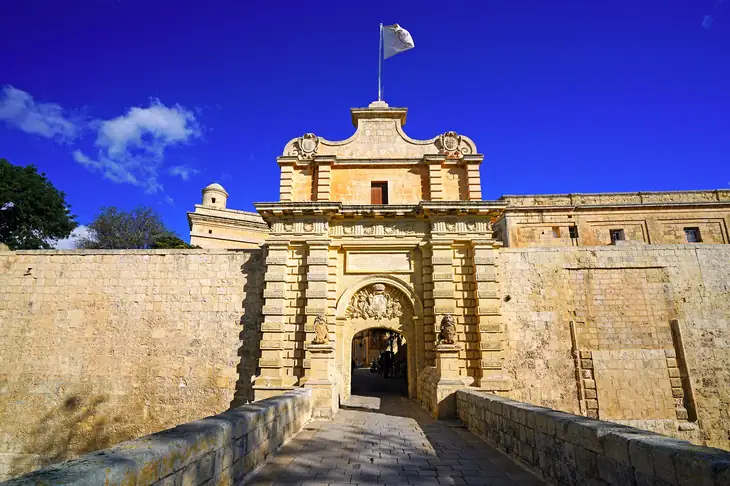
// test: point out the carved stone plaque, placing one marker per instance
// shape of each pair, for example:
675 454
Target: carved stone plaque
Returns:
378 262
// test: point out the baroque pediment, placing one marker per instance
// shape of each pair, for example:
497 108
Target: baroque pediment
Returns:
379 135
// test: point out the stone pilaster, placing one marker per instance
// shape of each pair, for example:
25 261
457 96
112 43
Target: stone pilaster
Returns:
275 377
286 182
323 179
429 320
321 380
473 177
435 178
315 296
489 317
442 275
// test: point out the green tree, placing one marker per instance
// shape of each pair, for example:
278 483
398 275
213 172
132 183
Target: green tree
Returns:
33 213
171 242
139 228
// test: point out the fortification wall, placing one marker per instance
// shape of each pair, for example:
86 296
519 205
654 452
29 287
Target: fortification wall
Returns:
97 347
649 343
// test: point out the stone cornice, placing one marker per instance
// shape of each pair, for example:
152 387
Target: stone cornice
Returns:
224 220
336 209
618 206
617 199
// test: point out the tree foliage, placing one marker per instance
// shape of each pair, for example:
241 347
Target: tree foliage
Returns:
33 213
170 242
139 228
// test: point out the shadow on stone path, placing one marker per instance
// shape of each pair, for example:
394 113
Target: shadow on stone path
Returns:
395 445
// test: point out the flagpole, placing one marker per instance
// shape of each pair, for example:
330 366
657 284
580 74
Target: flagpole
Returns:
380 65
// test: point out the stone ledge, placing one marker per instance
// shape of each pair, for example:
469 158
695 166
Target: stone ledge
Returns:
570 449
221 449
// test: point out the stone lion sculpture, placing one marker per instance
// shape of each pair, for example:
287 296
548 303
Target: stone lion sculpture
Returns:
320 330
448 330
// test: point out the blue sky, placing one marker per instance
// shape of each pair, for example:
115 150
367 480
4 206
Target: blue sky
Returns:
130 102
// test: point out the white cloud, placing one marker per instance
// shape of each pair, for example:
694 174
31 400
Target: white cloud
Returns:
182 171
18 109
131 147
72 242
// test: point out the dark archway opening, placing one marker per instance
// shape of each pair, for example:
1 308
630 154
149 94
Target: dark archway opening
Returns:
379 363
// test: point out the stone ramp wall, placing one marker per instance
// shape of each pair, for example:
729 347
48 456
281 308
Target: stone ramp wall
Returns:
99 347
219 450
568 449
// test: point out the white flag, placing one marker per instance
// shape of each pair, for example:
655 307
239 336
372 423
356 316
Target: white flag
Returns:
396 39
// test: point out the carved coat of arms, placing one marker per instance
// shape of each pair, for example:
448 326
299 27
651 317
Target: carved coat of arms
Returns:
375 303
306 146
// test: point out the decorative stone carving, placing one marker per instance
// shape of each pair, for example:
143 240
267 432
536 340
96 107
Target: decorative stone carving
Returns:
452 145
377 302
448 330
320 330
306 146
308 227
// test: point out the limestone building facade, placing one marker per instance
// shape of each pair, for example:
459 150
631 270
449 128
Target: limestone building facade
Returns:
384 231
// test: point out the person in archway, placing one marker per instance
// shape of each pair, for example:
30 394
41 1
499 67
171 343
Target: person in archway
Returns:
387 363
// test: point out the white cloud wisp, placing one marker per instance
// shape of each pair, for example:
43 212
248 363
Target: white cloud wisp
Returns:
184 172
18 109
131 147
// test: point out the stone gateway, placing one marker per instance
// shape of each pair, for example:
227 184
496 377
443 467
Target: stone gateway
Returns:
611 306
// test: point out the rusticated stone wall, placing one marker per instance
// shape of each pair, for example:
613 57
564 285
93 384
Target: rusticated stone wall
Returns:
97 347
638 334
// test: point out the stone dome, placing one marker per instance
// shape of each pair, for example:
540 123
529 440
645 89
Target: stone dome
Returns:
215 187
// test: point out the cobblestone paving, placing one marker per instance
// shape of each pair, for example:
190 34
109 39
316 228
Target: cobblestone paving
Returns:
396 445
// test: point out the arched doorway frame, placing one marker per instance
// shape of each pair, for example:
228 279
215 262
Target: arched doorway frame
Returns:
347 328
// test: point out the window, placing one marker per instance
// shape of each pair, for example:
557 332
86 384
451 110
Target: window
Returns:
210 232
378 193
617 235
573 230
692 235
212 199
556 232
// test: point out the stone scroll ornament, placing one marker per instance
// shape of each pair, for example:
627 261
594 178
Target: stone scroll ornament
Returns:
376 302
450 144
448 330
320 330
306 146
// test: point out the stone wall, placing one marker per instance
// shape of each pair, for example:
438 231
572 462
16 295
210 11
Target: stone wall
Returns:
568 449
637 334
97 347
218 450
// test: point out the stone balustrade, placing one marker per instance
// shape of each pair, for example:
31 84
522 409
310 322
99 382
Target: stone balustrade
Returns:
219 450
568 449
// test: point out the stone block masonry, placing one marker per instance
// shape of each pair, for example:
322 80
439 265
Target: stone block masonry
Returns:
218 450
98 347
568 449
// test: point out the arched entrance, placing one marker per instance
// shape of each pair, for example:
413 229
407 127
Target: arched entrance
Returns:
379 363
378 302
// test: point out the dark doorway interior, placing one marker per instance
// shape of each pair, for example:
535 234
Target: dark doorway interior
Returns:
379 363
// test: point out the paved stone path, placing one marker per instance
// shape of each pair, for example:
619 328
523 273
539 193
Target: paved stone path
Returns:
395 445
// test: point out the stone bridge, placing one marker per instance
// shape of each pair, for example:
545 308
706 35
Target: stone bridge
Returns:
385 438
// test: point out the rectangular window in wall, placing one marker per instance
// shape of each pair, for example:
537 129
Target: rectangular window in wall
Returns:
617 235
573 230
692 235
556 231
378 193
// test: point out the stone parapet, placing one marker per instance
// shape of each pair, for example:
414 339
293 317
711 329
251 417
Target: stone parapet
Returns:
221 449
568 449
